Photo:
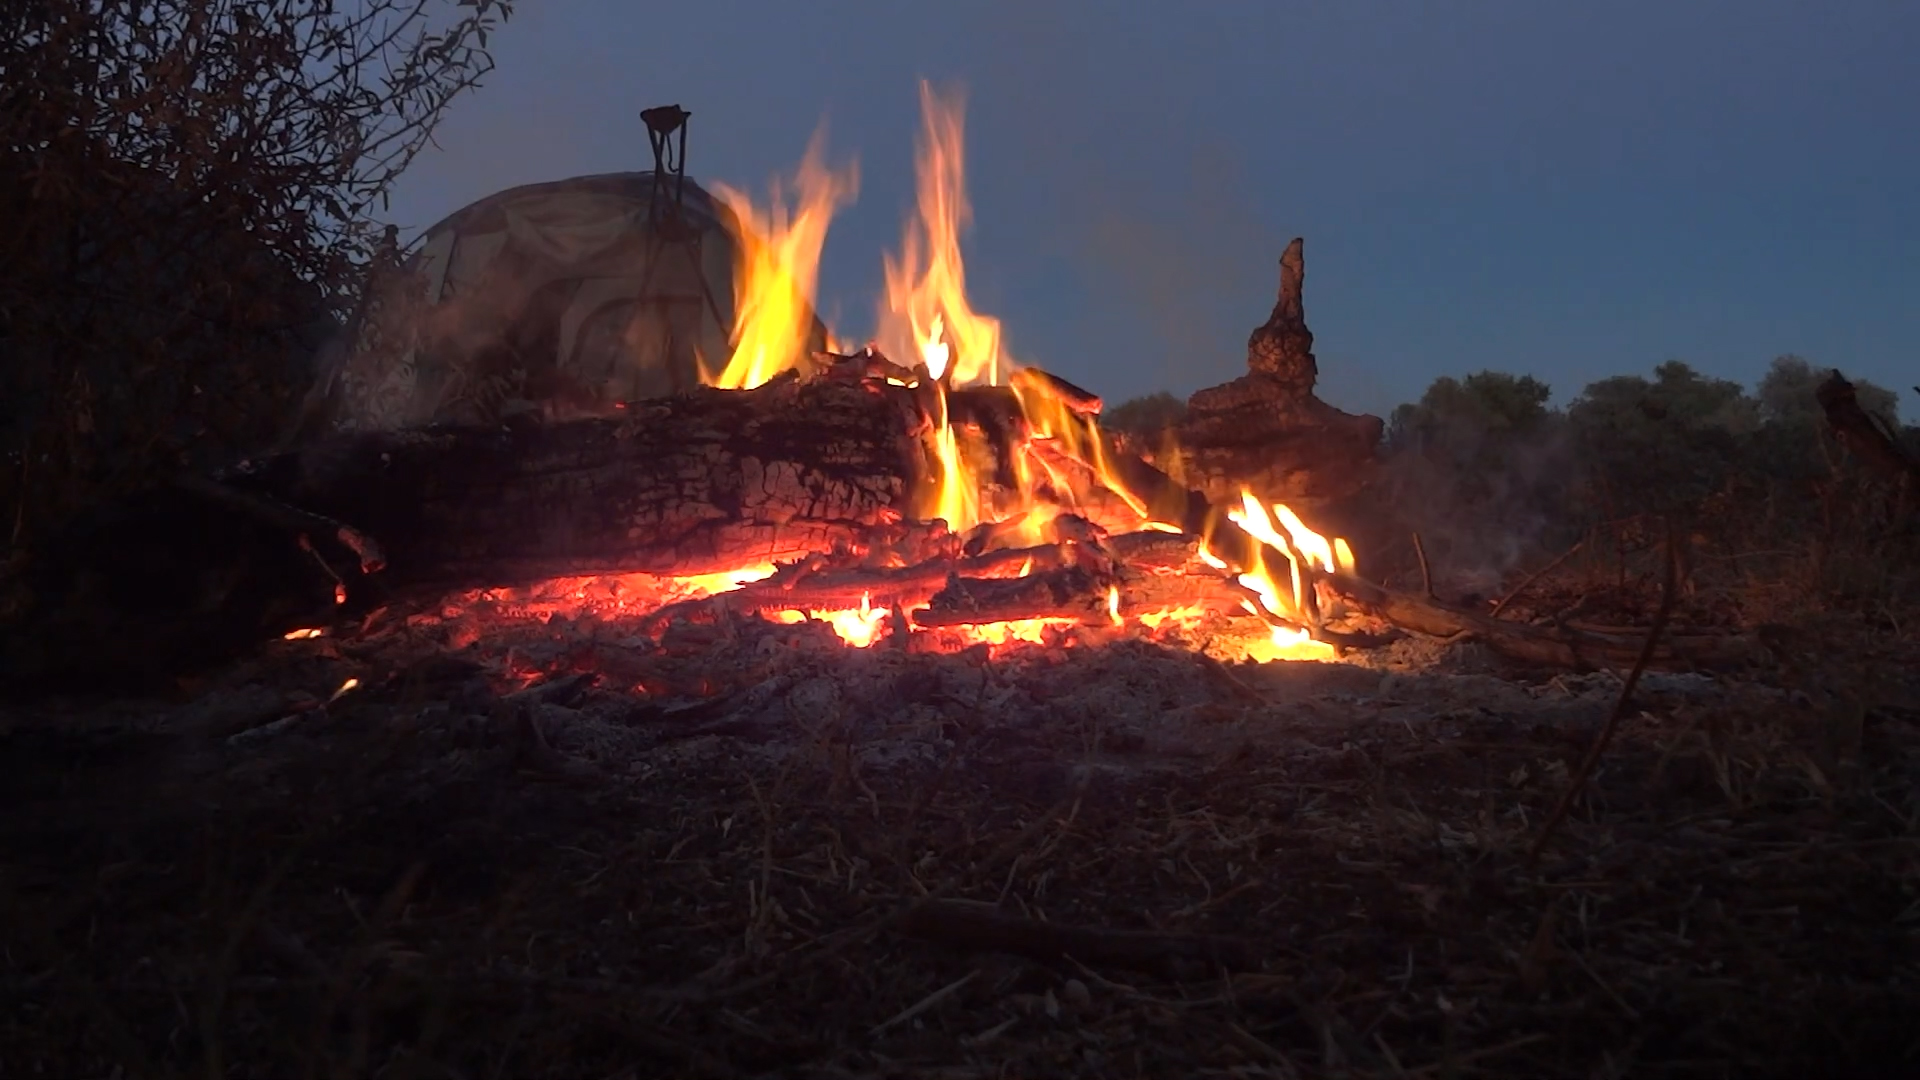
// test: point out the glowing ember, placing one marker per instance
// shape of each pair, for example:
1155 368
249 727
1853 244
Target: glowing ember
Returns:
858 627
708 584
779 262
306 634
344 687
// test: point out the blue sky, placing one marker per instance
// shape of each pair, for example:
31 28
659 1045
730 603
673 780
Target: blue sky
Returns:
1567 190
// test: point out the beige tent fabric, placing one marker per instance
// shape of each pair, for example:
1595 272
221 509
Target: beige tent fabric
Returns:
562 297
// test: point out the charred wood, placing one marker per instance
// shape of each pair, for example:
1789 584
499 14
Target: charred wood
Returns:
704 482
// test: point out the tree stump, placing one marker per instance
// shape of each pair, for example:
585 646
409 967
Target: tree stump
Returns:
1266 430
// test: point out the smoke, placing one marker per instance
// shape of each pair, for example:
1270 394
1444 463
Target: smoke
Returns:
1183 265
1151 210
1486 505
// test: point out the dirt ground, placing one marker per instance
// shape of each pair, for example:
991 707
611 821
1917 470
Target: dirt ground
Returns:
763 854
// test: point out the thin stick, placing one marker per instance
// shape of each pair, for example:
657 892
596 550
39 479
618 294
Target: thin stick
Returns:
1669 586
926 1003
1426 575
1536 576
20 508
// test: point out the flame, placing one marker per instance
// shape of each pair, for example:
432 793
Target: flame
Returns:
927 319
926 313
725 581
1280 529
858 627
344 687
956 490
778 265
1078 436
306 634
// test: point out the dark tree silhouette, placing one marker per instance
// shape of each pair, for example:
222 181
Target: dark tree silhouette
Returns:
187 187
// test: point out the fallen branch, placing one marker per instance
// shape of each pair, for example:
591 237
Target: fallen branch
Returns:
1515 592
1558 646
977 927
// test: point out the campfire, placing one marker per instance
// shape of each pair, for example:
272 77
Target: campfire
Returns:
925 492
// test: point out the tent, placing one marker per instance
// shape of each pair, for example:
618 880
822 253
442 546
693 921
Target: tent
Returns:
563 297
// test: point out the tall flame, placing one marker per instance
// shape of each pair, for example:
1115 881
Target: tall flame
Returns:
926 313
778 266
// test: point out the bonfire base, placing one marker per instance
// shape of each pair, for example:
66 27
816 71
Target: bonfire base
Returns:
732 878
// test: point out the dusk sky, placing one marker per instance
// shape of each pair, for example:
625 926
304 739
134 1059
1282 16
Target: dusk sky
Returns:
1567 190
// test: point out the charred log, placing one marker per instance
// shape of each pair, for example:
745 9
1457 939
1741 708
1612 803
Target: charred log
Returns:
705 482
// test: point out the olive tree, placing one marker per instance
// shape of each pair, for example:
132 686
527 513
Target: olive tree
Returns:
188 187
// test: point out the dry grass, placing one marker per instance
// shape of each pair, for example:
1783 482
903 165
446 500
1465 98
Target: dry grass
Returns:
409 885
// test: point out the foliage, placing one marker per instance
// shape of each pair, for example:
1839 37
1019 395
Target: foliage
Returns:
1487 471
187 186
1477 463
1145 416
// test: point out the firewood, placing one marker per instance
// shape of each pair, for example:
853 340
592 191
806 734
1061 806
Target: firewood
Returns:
1073 398
705 482
1073 593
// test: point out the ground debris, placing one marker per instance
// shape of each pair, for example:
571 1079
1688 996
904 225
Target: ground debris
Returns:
763 853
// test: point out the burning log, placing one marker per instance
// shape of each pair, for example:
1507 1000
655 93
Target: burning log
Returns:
701 483
705 482
1069 593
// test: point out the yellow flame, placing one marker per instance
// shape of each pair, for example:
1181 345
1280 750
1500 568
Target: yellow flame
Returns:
1290 645
1342 556
858 627
344 687
1280 529
957 491
726 580
1078 436
926 287
1113 605
306 634
777 268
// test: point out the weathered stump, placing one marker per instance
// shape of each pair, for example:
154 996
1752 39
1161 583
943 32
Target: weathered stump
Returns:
1266 430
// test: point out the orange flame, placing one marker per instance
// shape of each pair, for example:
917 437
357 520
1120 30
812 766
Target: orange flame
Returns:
858 627
1282 530
779 261
926 314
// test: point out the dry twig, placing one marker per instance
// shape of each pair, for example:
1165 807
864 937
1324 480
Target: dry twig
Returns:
1669 587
